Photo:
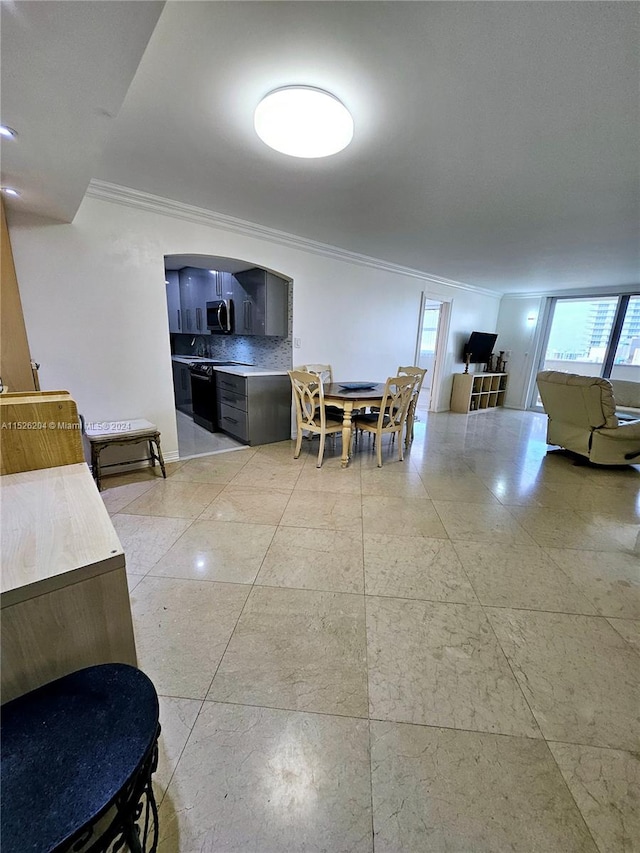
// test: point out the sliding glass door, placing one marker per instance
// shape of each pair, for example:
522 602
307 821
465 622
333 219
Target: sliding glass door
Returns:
593 336
625 357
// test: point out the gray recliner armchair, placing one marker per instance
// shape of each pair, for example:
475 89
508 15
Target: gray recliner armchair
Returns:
581 413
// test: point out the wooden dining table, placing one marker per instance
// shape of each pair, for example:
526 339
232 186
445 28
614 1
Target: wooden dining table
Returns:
348 399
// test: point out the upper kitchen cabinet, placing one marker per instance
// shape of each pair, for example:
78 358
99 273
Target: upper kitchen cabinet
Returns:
197 287
260 302
223 283
172 282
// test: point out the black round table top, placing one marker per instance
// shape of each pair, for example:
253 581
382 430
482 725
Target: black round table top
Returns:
373 392
68 747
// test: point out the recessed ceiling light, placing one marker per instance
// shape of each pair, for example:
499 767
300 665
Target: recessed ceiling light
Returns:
10 191
7 132
303 122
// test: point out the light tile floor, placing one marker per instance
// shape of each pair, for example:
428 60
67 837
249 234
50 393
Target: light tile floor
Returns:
194 440
439 655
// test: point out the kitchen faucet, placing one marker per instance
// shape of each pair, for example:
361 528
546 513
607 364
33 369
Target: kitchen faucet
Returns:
201 346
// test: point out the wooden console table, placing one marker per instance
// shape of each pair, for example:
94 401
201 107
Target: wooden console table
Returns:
64 597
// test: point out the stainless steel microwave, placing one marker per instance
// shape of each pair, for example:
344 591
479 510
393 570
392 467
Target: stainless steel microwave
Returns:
220 316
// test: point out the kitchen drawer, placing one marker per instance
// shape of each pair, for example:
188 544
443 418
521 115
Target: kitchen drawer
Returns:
233 421
230 398
229 382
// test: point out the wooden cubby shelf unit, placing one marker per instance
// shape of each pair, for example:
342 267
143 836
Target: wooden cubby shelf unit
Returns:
477 392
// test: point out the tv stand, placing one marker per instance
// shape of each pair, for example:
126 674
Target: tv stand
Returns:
477 392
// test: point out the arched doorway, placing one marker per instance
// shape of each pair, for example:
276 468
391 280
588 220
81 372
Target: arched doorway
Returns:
248 337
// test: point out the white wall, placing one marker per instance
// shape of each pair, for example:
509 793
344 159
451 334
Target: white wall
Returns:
519 326
93 296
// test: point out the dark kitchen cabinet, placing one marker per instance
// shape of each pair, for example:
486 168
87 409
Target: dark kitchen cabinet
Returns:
182 387
172 282
254 409
260 301
197 287
223 286
188 300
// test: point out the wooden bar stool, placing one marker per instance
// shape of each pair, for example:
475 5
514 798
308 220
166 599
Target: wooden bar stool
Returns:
77 759
123 432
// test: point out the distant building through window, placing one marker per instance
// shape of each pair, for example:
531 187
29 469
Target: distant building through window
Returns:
594 336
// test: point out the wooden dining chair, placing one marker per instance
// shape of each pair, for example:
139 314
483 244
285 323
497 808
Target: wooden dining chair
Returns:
419 374
311 414
324 371
391 417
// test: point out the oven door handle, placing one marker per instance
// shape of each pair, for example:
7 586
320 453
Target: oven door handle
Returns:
202 378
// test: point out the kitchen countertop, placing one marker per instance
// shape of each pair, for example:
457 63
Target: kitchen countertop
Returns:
240 370
188 359
236 369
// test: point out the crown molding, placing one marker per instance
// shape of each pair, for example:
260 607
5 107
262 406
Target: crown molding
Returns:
178 210
576 292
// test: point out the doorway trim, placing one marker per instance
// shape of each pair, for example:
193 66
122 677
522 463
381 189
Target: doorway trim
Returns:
442 335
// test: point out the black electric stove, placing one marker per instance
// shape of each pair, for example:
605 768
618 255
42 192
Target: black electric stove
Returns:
203 390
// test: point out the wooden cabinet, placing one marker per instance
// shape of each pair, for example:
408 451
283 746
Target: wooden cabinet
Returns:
254 409
477 392
64 598
16 368
261 304
40 429
172 281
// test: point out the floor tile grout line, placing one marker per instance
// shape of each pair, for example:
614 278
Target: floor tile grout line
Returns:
366 664
233 630
466 574
479 601
543 610
631 645
389 721
252 586
187 739
513 674
571 795
284 710
396 597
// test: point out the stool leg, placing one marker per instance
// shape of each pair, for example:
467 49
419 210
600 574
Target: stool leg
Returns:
156 438
152 455
95 464
132 837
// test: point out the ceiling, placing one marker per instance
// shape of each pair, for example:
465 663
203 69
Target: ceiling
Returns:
496 143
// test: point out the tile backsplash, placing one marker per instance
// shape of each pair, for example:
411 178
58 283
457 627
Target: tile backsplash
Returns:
275 353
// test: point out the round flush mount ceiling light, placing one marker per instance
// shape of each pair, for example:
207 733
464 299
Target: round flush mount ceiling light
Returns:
11 191
303 122
7 132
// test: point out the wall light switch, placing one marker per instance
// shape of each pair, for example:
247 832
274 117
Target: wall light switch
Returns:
297 343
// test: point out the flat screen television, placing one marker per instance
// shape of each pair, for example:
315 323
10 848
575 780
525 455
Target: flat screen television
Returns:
479 347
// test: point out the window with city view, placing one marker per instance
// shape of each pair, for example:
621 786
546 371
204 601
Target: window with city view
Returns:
582 330
595 336
627 351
